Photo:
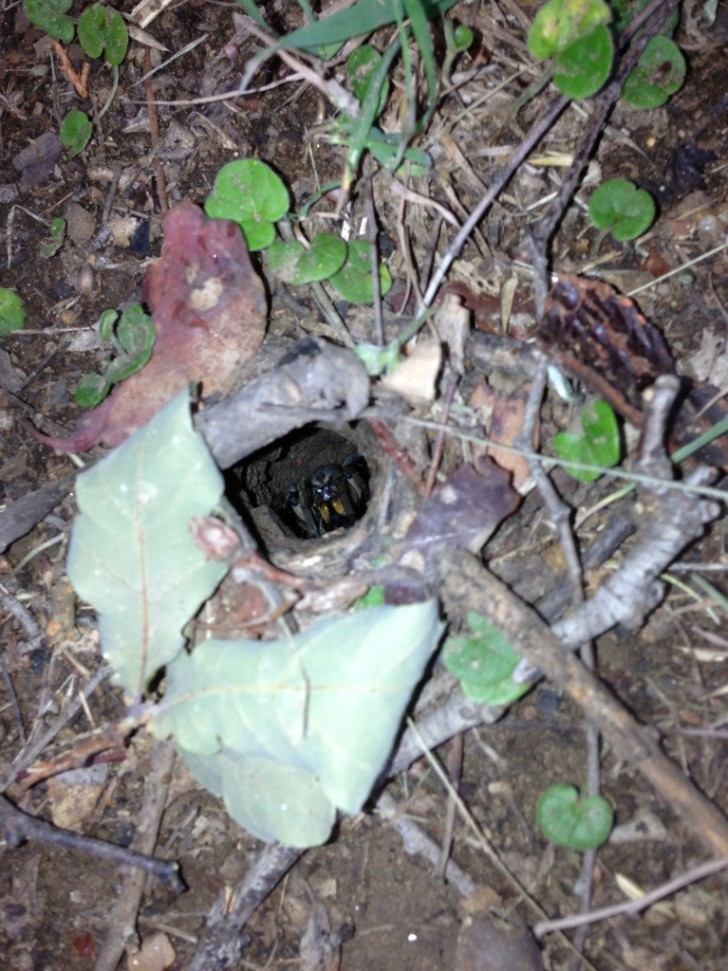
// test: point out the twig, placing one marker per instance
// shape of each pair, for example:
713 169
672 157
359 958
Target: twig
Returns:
122 919
78 81
24 617
18 826
439 446
221 945
154 132
633 906
455 768
539 130
417 843
30 754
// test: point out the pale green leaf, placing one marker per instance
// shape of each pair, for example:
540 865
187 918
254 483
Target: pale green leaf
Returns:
322 707
132 556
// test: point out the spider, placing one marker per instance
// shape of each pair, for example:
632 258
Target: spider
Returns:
332 496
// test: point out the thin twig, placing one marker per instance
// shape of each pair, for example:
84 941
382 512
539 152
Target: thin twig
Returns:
30 754
634 906
154 132
121 922
19 826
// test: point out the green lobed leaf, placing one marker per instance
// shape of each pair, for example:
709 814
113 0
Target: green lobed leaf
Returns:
58 235
251 194
581 69
599 443
12 311
293 263
484 664
660 72
132 555
290 731
354 280
91 390
568 820
135 336
101 30
619 206
49 15
91 30
75 133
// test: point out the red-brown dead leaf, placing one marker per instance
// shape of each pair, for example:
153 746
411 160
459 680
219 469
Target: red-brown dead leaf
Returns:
208 308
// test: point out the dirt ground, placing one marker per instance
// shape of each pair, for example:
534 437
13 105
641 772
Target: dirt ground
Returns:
379 908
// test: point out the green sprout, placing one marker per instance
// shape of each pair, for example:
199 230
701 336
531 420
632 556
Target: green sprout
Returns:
250 193
12 312
50 16
132 337
58 236
598 444
621 208
76 131
484 662
568 819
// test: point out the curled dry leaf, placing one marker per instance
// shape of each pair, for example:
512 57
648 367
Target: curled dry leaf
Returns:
208 308
463 511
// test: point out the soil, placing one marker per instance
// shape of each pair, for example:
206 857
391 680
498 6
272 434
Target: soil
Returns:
373 906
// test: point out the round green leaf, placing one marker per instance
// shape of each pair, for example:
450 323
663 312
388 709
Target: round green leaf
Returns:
581 69
103 30
106 324
76 131
49 15
619 206
660 72
12 312
251 194
354 279
484 663
567 820
117 37
560 22
598 445
462 37
91 30
91 390
293 263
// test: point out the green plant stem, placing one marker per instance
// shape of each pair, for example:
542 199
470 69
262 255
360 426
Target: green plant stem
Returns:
114 87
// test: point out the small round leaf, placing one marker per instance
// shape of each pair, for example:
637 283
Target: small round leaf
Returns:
581 69
251 194
660 72
91 390
49 15
354 279
599 443
568 820
76 131
295 264
12 312
623 209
